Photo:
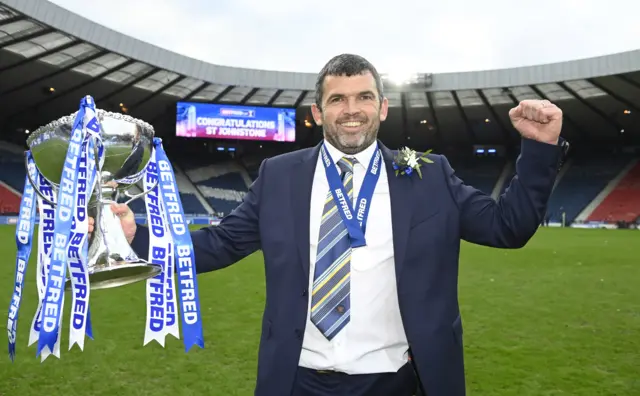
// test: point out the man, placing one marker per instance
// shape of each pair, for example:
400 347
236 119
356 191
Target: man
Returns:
351 312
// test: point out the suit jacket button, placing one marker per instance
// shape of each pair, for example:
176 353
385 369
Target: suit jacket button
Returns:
298 333
304 293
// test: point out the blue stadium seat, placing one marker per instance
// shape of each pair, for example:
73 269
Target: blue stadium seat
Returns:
191 204
13 174
12 170
229 181
481 173
138 206
224 193
223 206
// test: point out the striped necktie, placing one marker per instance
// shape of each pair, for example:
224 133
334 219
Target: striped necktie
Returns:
330 305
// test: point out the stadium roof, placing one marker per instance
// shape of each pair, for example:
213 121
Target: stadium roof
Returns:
50 58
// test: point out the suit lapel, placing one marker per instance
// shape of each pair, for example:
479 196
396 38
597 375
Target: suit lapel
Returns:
301 183
400 196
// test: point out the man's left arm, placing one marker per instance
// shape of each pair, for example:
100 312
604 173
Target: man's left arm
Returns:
512 220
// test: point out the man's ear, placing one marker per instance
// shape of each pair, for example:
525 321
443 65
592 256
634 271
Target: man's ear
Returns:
317 114
384 109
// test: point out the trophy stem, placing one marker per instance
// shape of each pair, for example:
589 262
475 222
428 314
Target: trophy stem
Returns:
111 260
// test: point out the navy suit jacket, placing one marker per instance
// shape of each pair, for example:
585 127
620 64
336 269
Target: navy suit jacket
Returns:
430 217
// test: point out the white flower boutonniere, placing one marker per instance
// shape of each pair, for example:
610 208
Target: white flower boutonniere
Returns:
407 161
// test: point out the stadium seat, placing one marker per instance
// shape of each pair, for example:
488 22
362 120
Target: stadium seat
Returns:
623 202
222 185
224 193
12 170
12 174
9 201
481 173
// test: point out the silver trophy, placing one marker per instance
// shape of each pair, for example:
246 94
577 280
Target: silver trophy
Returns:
128 144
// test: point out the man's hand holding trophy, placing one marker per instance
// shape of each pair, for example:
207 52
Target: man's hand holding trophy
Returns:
127 221
78 168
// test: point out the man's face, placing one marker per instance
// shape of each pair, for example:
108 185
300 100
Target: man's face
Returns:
351 112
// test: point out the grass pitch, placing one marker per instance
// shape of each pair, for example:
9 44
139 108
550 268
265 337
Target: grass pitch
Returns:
559 317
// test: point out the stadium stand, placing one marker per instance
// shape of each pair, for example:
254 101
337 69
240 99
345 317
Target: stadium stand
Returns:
207 189
582 182
9 201
188 195
623 202
12 168
222 185
12 174
481 173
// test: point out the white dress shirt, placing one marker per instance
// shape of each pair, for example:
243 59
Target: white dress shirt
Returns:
374 340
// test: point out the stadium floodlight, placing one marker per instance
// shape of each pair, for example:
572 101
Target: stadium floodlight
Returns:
406 80
399 78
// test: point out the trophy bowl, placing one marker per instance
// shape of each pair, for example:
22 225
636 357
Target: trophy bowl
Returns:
128 145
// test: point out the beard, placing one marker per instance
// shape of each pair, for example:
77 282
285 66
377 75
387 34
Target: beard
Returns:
351 142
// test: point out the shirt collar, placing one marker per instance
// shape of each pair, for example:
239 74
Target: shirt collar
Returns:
363 157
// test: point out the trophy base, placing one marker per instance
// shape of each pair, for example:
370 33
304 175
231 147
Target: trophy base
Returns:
118 274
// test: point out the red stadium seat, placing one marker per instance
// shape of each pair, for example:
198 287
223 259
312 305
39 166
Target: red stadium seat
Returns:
623 203
9 201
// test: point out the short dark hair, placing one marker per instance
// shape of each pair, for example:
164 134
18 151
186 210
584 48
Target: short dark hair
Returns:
346 65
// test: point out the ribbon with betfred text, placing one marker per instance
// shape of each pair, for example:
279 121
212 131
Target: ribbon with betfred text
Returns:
45 240
161 298
77 250
69 236
46 223
166 220
356 225
24 241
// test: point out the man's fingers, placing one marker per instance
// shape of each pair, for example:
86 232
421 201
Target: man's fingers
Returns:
515 112
535 110
119 209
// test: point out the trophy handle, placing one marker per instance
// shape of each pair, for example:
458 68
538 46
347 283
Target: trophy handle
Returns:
142 194
34 184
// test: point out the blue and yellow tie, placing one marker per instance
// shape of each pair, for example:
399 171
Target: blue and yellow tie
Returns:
330 305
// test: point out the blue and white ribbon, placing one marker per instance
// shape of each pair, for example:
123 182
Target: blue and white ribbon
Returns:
356 225
24 236
69 235
161 299
77 250
165 213
46 227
